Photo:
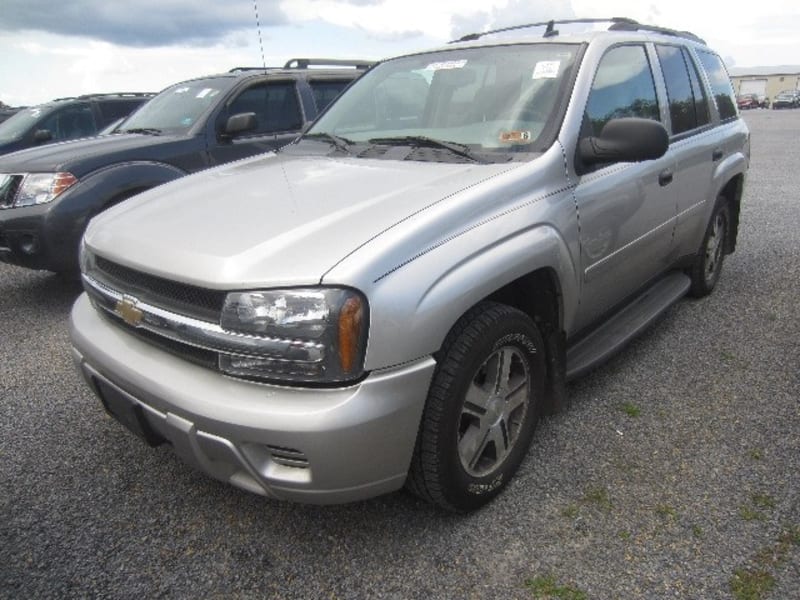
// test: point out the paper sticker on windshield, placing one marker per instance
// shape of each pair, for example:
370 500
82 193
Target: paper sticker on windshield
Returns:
182 90
447 64
546 69
204 92
515 137
35 112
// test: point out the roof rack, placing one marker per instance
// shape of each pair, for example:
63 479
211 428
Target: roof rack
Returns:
617 24
106 95
304 63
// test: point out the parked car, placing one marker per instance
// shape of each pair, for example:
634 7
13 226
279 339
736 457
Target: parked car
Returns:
49 194
787 99
65 119
9 111
746 101
399 295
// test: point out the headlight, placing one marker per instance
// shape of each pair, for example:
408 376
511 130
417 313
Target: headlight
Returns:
41 188
315 335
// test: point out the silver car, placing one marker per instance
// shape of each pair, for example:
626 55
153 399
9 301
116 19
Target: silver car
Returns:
396 298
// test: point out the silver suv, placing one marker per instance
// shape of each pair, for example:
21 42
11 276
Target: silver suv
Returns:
397 297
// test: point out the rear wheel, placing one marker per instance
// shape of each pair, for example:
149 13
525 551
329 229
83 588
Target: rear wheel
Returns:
481 410
707 265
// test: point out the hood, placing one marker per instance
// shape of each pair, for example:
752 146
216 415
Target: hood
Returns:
273 219
83 156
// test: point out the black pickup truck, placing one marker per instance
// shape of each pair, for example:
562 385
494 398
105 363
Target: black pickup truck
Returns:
49 194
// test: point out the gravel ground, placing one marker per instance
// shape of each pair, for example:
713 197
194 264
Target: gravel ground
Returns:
675 472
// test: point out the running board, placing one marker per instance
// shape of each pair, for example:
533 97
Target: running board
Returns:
626 324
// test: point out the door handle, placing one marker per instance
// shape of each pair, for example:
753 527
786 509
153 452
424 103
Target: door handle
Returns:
717 154
665 177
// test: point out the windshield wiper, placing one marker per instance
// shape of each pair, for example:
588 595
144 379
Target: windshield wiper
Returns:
421 141
340 143
144 130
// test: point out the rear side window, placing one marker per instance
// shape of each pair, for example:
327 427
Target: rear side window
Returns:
111 110
326 91
275 104
720 84
70 123
623 87
688 108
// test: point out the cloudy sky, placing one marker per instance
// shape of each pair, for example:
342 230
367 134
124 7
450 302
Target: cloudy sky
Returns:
52 48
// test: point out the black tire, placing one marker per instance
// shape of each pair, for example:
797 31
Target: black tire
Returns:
707 265
482 408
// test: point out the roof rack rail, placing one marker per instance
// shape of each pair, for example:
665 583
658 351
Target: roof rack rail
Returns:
304 63
617 24
118 94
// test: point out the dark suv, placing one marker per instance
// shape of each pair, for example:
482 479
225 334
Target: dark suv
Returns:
66 119
48 195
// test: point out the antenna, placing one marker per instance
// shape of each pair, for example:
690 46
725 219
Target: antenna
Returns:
260 43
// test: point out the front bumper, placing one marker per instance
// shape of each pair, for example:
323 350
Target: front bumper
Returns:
309 445
37 238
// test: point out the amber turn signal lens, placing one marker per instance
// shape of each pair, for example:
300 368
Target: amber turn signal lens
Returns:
350 323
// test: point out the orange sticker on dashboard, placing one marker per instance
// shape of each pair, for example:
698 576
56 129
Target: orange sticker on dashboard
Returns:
515 137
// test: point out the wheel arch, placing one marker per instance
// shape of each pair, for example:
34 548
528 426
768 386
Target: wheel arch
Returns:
732 192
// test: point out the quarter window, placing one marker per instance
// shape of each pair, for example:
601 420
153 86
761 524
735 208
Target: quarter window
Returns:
623 87
720 84
687 103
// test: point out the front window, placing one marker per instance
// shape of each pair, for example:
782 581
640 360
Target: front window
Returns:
178 107
17 125
499 100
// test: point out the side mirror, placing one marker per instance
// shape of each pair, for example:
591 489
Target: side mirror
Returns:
240 123
42 135
625 140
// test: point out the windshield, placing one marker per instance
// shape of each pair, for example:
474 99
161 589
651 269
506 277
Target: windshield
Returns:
494 99
178 107
20 123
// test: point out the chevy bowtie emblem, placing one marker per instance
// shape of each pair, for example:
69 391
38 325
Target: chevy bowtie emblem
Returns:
126 308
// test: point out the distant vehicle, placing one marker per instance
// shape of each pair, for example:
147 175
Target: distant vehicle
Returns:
763 101
8 112
746 101
48 195
787 99
66 119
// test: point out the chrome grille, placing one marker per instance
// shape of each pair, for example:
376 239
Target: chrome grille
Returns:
185 299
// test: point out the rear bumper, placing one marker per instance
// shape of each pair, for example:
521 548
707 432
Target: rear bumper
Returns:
308 445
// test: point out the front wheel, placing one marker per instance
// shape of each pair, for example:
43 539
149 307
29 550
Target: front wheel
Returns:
707 265
482 408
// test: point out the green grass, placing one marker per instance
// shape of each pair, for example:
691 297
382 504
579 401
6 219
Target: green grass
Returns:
755 581
631 409
756 454
665 511
597 496
546 587
697 531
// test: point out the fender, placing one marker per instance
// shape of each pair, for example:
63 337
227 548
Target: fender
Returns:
66 220
417 305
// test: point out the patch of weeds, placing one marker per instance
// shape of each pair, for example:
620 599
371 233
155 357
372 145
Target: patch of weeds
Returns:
630 409
727 356
763 500
756 454
755 581
597 496
758 503
665 511
697 531
624 535
748 513
571 511
546 586
751 584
